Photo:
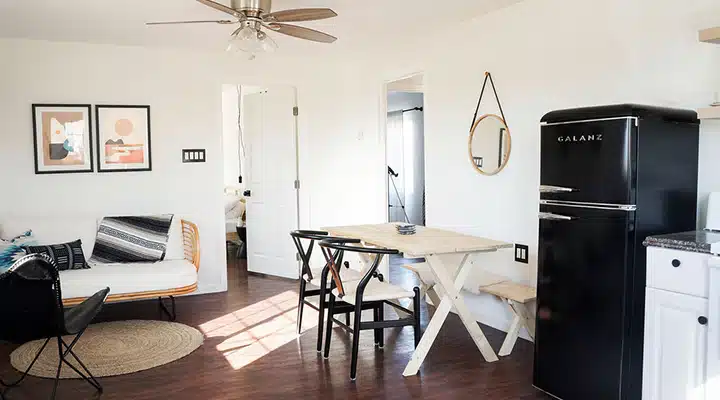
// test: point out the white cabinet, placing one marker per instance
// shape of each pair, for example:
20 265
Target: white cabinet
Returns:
678 271
675 352
712 388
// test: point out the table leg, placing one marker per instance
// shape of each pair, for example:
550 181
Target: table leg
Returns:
451 298
434 297
527 318
521 317
453 292
512 333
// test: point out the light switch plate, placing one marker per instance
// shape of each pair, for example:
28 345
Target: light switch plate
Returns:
193 155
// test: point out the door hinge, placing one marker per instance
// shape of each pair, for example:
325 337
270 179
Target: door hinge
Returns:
297 257
296 111
297 184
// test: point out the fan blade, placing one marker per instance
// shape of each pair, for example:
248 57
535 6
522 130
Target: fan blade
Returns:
303 33
301 14
221 7
222 22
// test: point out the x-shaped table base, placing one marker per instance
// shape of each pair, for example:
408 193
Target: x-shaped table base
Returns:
452 298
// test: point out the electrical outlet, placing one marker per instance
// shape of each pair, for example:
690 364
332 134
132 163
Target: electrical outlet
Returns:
522 253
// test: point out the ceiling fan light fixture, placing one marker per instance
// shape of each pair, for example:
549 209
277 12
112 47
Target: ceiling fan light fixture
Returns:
253 15
251 40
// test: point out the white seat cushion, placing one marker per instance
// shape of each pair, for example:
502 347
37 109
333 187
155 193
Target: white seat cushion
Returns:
374 291
127 278
346 274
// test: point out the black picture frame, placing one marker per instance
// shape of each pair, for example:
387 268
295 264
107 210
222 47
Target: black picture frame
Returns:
100 153
36 156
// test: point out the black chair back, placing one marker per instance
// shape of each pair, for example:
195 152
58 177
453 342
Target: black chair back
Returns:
31 302
305 254
341 245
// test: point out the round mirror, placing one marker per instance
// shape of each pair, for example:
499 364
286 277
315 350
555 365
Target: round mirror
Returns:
489 144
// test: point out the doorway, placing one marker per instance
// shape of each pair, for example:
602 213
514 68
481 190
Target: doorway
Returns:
260 147
405 148
405 151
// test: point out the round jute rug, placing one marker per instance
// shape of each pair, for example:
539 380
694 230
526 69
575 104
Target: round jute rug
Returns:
113 348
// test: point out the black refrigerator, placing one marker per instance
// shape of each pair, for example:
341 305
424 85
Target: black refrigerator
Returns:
610 176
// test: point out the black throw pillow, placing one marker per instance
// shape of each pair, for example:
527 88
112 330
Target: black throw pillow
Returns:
67 255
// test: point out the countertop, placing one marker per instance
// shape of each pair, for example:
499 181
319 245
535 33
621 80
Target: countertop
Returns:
695 241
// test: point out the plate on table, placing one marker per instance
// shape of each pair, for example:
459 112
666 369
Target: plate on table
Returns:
406 229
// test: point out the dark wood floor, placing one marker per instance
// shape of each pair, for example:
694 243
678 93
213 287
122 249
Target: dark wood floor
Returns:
251 351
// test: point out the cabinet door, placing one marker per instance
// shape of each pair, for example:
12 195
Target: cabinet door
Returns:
712 387
675 346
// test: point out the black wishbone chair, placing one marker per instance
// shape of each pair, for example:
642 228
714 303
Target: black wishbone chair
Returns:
316 277
32 309
365 294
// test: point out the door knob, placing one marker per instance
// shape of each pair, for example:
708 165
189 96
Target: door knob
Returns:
676 263
246 193
703 320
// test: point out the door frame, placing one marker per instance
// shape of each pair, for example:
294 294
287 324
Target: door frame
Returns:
296 137
384 135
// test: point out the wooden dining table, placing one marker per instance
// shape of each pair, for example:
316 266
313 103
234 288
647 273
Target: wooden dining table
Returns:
440 248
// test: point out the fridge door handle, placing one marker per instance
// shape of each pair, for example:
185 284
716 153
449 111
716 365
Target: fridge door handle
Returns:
554 217
556 189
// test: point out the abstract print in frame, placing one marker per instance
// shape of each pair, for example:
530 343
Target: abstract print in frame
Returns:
62 138
123 138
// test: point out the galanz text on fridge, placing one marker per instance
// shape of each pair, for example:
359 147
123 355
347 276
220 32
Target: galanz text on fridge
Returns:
581 138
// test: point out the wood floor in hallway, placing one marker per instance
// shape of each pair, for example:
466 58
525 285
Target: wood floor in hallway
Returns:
251 351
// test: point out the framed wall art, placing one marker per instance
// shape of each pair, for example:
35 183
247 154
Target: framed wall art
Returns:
62 138
123 138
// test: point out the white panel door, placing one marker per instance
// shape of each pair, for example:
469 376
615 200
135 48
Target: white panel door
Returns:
272 208
675 346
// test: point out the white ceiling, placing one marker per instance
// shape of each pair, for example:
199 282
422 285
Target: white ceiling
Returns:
361 25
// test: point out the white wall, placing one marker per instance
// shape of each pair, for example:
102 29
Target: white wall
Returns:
546 55
185 113
184 90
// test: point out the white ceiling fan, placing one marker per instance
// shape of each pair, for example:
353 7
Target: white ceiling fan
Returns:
253 15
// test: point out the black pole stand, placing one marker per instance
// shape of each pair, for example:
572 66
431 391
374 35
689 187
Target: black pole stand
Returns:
397 193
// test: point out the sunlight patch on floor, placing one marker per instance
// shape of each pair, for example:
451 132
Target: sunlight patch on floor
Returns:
258 329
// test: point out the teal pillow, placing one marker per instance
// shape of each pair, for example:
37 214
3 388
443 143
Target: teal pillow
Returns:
9 253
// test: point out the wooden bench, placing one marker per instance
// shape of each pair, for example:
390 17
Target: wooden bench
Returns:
427 281
516 296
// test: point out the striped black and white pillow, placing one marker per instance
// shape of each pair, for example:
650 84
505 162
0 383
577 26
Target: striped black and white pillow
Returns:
66 256
132 239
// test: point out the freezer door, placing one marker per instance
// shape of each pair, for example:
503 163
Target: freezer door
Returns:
584 255
589 161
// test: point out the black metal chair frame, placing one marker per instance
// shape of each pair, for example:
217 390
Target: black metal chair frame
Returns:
64 349
304 293
379 323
